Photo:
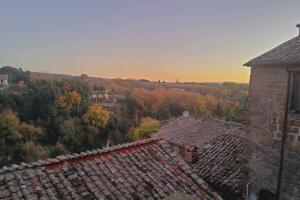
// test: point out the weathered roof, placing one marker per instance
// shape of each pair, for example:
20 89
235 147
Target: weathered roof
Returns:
146 169
220 147
197 131
3 77
288 53
221 164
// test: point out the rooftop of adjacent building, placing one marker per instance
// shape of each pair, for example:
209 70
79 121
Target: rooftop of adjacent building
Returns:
288 53
220 144
187 129
146 169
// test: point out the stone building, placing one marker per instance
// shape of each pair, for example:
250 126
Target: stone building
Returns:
274 107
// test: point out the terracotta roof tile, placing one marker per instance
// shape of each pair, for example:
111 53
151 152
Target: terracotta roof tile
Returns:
147 169
220 150
197 131
221 164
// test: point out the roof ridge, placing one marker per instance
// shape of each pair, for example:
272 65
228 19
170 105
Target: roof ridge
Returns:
204 118
222 120
256 60
60 159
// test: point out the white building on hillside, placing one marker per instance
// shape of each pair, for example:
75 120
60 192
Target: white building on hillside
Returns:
3 79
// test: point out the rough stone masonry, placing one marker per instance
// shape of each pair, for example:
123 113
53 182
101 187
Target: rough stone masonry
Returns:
267 105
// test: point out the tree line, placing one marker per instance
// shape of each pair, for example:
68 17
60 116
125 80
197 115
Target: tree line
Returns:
45 118
41 118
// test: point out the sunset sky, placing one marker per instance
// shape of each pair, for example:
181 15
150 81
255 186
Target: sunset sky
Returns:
188 40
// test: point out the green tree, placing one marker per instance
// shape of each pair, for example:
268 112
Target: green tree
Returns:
58 149
145 129
10 148
30 132
18 140
72 134
33 151
9 128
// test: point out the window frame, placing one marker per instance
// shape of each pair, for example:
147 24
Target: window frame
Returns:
294 90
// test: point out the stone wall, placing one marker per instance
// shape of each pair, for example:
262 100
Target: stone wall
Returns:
294 131
267 94
291 164
267 100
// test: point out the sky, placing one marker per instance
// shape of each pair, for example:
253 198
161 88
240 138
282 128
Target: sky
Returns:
187 40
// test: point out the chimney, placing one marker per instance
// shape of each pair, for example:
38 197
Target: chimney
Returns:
190 154
298 26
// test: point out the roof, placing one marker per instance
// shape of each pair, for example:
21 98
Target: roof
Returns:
221 164
147 169
220 150
197 131
288 53
3 77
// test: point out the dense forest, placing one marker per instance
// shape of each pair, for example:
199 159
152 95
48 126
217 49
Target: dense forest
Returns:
45 116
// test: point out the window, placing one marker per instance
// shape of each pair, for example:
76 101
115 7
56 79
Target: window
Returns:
266 195
295 99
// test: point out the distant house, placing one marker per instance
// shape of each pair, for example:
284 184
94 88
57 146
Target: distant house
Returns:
106 99
116 98
3 79
274 107
99 96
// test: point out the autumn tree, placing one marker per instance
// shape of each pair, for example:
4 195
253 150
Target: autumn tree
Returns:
33 151
145 129
75 100
51 115
162 103
95 118
30 132
18 140
9 128
69 102
113 86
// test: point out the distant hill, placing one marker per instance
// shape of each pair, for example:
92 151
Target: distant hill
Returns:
43 75
203 88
